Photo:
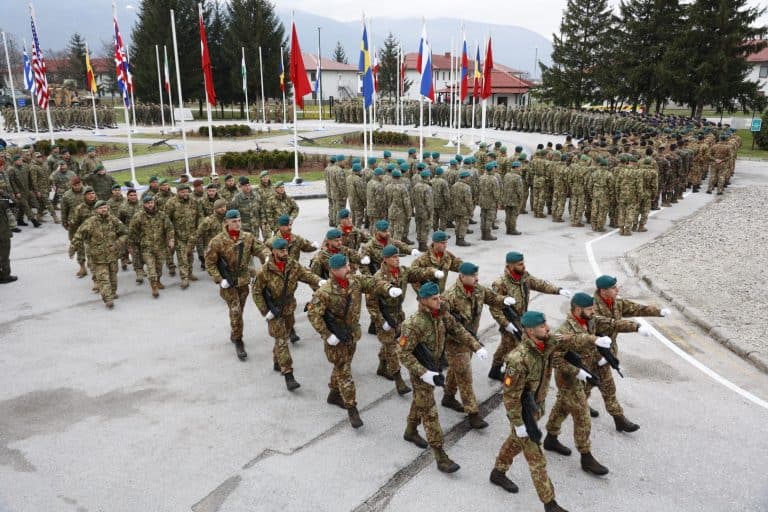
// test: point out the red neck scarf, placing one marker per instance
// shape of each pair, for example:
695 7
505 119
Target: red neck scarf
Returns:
581 322
438 255
608 302
234 235
469 289
514 275
395 271
280 265
382 241
333 250
287 237
344 283
435 313
539 345
346 229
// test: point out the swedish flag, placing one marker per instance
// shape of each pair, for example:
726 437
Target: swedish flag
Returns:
364 67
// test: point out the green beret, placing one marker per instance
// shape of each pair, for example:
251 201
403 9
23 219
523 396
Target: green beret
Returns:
339 158
516 164
115 187
522 157
356 168
244 180
582 300
503 149
425 173
211 186
100 203
532 319
382 225
400 161
465 174
87 189
147 198
439 171
403 168
440 236
163 181
483 145
468 269
491 154
333 234
90 148
228 177
489 166
514 257
337 261
372 160
469 160
435 155
411 151
343 213
389 251
378 171
333 159
232 214
604 282
387 154
458 158
263 173
497 144
284 220
428 289
280 184
183 186
518 149
396 173
355 160
453 162
280 243
219 203
98 168
426 154
15 157
152 178
421 165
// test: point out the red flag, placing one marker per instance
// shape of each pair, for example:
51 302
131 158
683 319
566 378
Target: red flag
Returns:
206 62
297 71
487 67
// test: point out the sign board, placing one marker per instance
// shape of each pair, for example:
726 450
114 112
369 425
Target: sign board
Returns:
22 102
183 113
757 125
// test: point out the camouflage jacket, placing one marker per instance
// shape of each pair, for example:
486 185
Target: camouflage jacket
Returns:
512 190
296 245
162 198
319 264
249 207
353 238
61 181
462 202
282 285
582 343
185 215
222 246
89 165
490 195
441 193
81 213
528 369
423 202
207 204
520 290
102 185
466 307
115 203
629 184
393 307
356 191
376 199
69 202
227 193
150 231
617 311
373 249
103 237
21 179
40 178
398 200
424 327
127 211
448 262
277 205
208 228
149 191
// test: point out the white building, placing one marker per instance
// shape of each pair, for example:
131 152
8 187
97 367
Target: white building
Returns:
759 71
339 81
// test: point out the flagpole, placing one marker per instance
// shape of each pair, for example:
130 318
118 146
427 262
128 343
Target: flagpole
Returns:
31 90
208 107
319 80
168 78
245 84
160 87
48 103
263 106
93 94
421 128
130 81
450 97
295 128
125 107
178 91
485 100
285 121
397 91
10 81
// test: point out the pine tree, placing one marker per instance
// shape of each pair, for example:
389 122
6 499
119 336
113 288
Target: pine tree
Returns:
339 55
75 63
583 45
388 72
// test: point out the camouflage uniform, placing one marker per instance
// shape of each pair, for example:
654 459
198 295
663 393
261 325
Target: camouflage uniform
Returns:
356 190
399 209
277 205
510 199
578 173
601 185
41 183
559 189
488 200
629 190
373 249
249 206
150 233
462 206
376 200
353 237
296 244
650 186
126 212
104 237
184 214
720 156
441 200
423 205
319 264
447 262
101 183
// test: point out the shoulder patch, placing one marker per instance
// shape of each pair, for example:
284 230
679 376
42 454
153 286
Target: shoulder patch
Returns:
508 380
403 341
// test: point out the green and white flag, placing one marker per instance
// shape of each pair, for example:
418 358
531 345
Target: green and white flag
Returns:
242 72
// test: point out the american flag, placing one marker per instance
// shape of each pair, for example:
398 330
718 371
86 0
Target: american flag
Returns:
38 69
121 67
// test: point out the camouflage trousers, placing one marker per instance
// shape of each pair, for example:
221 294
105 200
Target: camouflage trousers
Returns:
599 212
398 226
607 388
388 350
718 177
537 463
105 278
184 256
439 219
572 400
627 213
558 204
375 216
459 377
24 209
338 204
526 193
424 410
588 207
358 215
340 356
423 224
235 297
45 205
331 213
487 215
280 329
168 259
576 208
508 342
154 262
5 257
80 253
510 217
461 223
539 199
644 209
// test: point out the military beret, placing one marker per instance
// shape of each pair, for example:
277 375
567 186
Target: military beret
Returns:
337 261
514 257
389 251
468 269
228 177
604 282
333 159
163 181
503 149
75 179
343 213
540 152
333 234
280 184
98 168
371 160
211 186
532 319
425 173
55 146
411 151
400 161
115 187
403 168
602 161
391 166
152 178
340 158
26 147
490 166
279 243
387 154
491 154
435 155
219 203
396 173
426 154
356 168
87 189
378 171
284 220
428 289
518 149
15 157
483 145
540 146
355 160
382 225
244 180
183 186
465 174
522 157
421 165
440 236
582 300
147 198
622 158
232 214
439 171
100 203
197 183
497 144
453 162
90 148
458 158
469 160
516 164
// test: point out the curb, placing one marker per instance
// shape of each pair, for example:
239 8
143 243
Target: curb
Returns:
309 196
720 334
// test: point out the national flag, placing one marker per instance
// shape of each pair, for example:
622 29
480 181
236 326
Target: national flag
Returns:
464 72
375 72
424 64
39 69
242 73
297 72
477 77
487 68
29 79
205 57
166 72
364 67
128 70
316 85
282 73
121 66
402 74
89 76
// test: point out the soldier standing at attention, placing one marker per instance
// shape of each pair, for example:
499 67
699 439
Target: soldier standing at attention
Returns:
273 292
511 197
489 200
441 200
335 314
376 197
462 206
227 259
399 207
355 186
720 156
328 176
423 206
425 332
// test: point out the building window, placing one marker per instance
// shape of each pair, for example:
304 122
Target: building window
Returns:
764 71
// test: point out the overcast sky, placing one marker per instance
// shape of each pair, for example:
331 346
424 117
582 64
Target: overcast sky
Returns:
542 16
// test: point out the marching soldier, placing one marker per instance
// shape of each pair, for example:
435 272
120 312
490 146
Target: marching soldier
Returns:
151 235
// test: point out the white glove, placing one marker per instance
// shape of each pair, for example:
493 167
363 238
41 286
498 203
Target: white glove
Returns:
644 330
429 377
315 245
270 315
604 341
510 328
386 327
565 292
582 375
224 284
365 260
395 292
521 432
333 340
482 354
322 282
664 312
415 252
439 274
602 362
509 301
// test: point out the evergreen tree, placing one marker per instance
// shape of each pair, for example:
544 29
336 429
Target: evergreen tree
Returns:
584 44
388 71
339 55
75 63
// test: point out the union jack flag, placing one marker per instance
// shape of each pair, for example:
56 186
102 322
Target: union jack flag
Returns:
39 69
121 67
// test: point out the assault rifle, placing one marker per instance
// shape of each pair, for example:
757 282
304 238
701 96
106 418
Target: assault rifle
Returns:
225 271
529 416
425 357
575 359
611 359
511 315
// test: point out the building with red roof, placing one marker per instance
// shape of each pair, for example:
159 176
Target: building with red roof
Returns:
759 73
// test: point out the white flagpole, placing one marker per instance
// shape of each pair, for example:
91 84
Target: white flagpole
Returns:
133 102
32 95
263 106
421 127
125 109
160 87
170 95
450 97
282 65
208 108
458 98
10 81
178 92
48 105
485 102
397 91
93 97
295 128
245 84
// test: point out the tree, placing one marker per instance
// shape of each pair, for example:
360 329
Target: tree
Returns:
388 71
339 55
16 58
75 60
583 46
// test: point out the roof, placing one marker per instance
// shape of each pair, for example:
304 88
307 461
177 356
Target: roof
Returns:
760 56
443 62
310 62
101 65
503 82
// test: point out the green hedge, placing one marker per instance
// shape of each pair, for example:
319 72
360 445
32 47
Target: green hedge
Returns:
761 137
227 130
75 147
391 138
252 160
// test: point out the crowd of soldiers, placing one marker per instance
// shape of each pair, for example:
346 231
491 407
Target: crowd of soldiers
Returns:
63 118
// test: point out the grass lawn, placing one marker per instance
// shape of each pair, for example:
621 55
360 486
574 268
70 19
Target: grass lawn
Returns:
430 144
177 136
121 150
746 146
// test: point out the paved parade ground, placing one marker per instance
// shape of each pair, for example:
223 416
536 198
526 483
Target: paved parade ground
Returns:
146 408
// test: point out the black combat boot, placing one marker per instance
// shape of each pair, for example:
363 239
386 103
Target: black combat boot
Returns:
372 328
460 242
35 223
500 479
552 506
334 398
553 445
450 402
590 465
593 413
400 385
412 435
476 422
624 425
444 463
354 417
294 336
290 382
240 349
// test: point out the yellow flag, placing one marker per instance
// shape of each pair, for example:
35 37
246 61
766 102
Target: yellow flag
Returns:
89 74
